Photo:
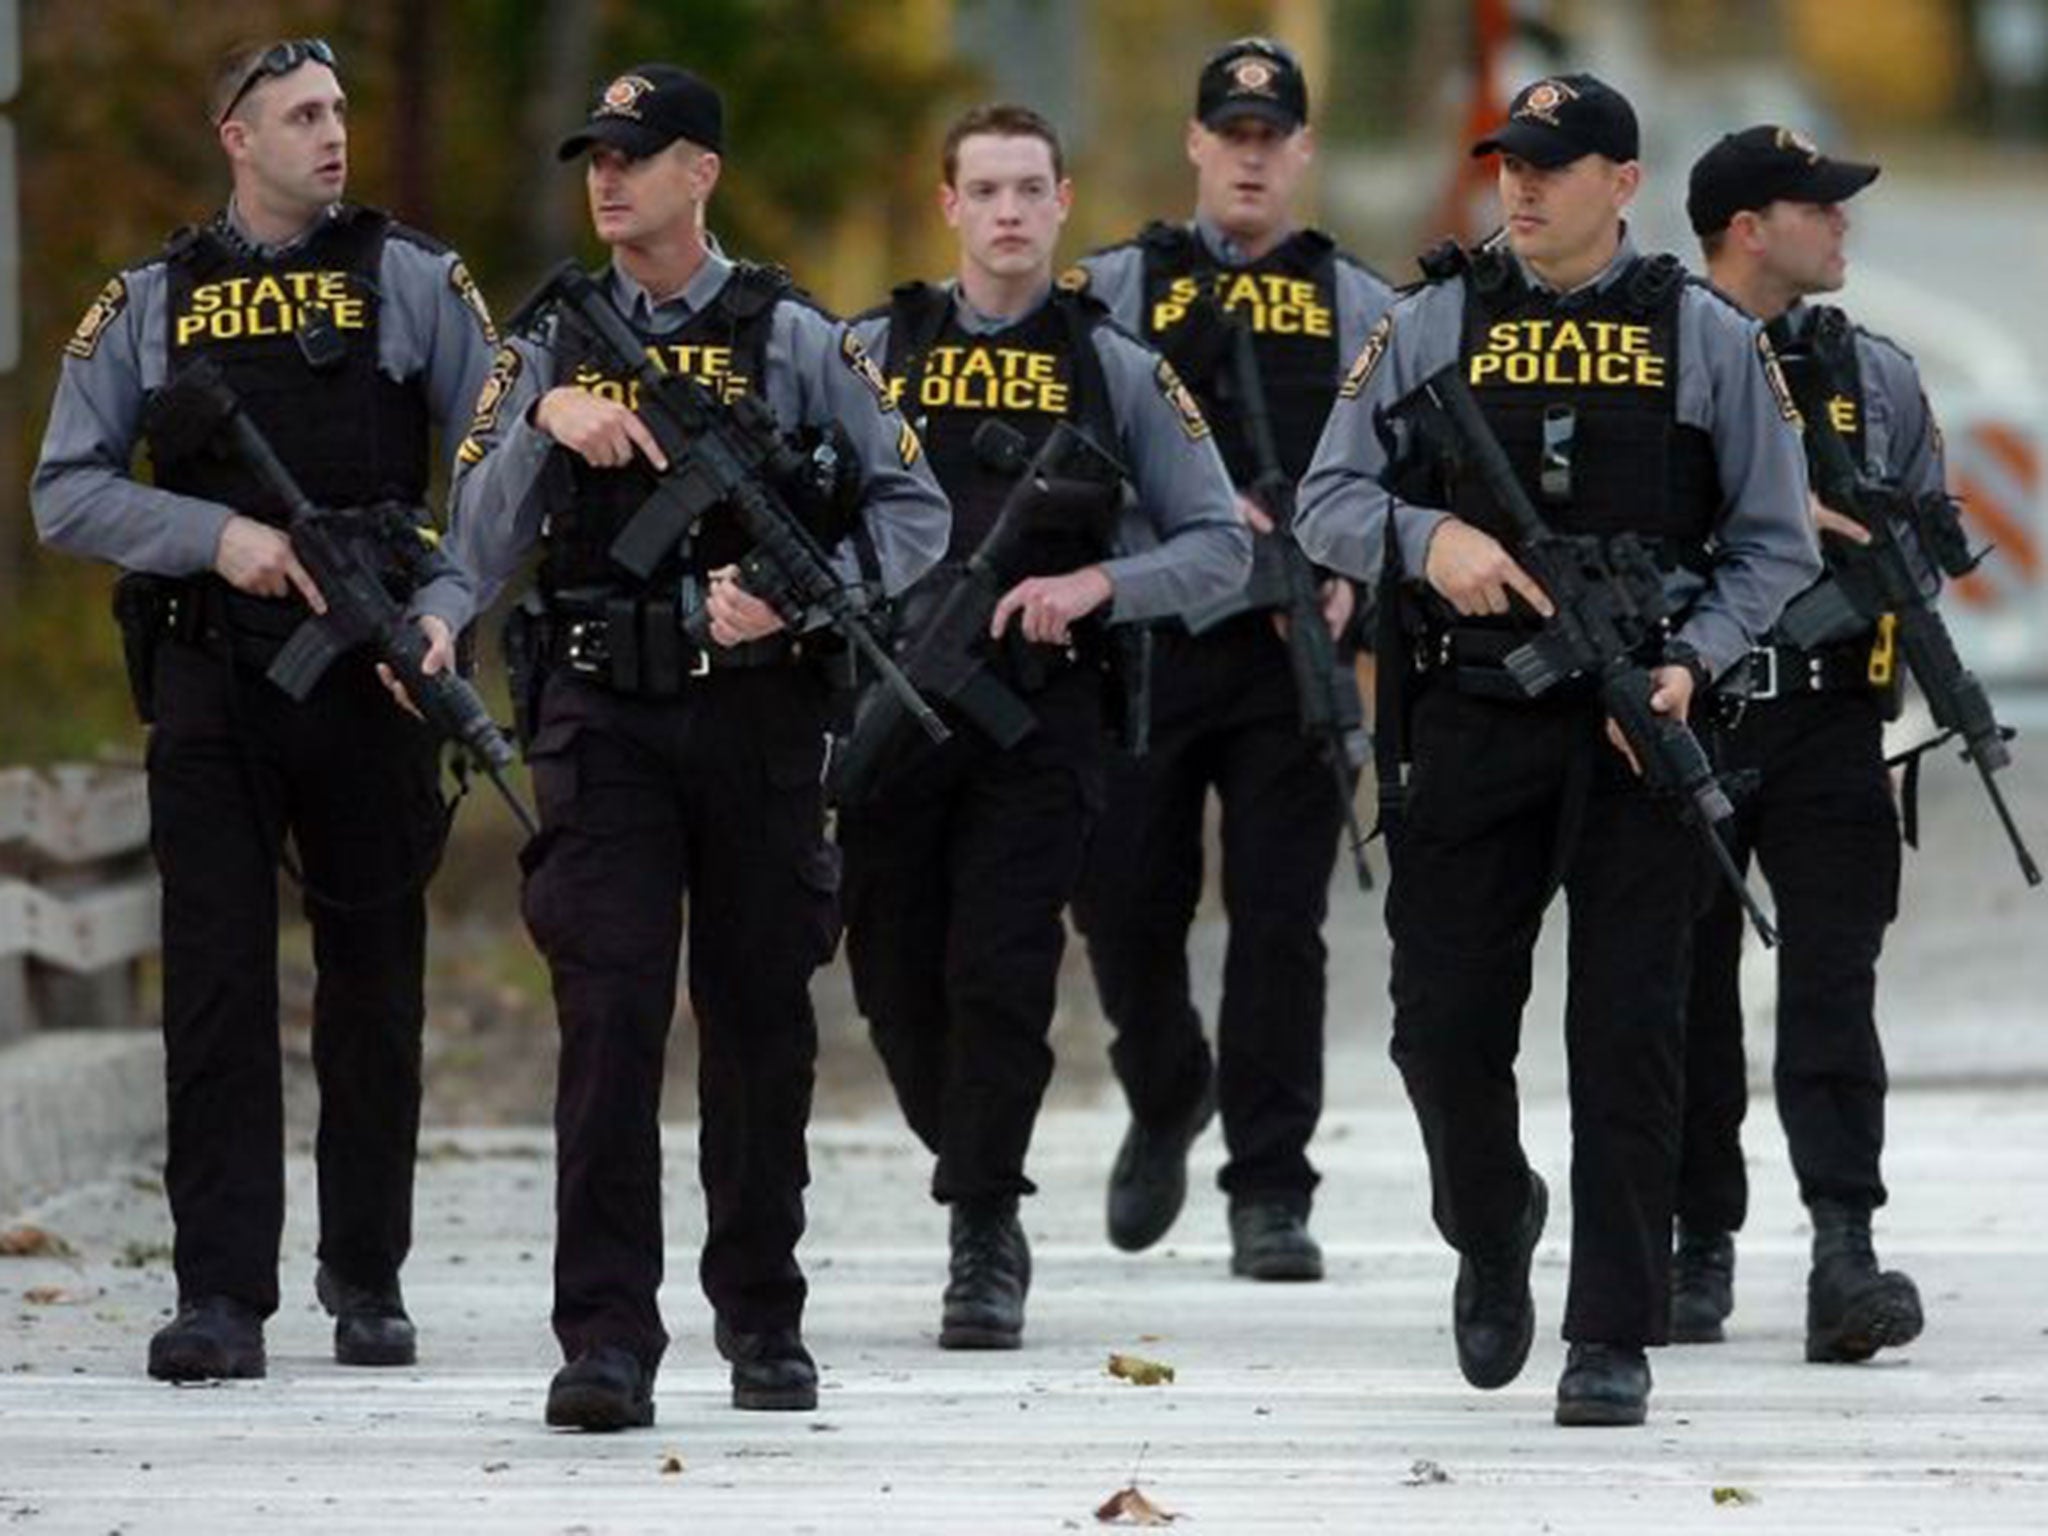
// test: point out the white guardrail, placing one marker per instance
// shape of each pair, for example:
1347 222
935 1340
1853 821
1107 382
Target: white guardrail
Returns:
79 898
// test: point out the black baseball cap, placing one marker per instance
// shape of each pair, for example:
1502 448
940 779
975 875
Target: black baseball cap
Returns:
1764 165
648 108
1562 117
1252 77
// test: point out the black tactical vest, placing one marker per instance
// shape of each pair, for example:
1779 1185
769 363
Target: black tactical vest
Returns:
1032 376
724 347
1610 357
1288 298
295 335
1826 348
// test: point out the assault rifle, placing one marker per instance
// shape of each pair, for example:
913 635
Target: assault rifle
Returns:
1610 603
1070 484
1285 579
1891 575
727 453
198 410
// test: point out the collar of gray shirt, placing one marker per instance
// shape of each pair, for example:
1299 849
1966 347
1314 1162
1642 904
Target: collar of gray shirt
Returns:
237 231
975 323
1624 253
1226 251
648 313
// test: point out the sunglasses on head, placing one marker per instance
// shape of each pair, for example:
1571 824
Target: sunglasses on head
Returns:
279 59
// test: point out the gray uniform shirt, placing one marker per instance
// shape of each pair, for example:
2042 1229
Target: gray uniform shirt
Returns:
86 501
1764 551
1181 544
807 379
1900 442
1117 277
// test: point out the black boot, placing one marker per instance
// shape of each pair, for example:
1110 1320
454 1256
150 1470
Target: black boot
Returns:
1269 1239
1854 1309
991 1273
213 1338
1603 1384
604 1388
770 1370
370 1325
1149 1182
1702 1285
1493 1316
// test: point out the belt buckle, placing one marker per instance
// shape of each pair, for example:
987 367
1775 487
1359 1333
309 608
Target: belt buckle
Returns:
1763 674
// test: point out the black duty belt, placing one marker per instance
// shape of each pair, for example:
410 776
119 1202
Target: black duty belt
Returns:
1780 671
635 646
1472 659
205 611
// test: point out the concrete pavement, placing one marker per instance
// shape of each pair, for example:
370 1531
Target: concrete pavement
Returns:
1334 1407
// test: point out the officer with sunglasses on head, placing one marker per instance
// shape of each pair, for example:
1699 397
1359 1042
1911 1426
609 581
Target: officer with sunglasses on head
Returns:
347 337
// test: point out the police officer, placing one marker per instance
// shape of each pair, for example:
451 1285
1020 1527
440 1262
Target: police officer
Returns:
662 766
346 335
957 873
1226 715
1809 724
1628 400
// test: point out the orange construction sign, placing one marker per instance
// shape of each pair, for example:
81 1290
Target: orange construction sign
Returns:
1995 468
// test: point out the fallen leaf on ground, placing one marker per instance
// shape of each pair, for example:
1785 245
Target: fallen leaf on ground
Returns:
1127 1506
1734 1496
1139 1371
55 1296
34 1243
1423 1471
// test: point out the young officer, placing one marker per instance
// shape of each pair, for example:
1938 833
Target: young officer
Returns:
348 338
1226 713
958 871
1809 724
665 766
1629 401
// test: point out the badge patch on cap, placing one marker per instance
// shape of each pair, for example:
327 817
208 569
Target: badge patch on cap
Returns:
1368 359
856 357
1545 100
1798 143
1182 399
98 316
1252 75
622 97
466 289
1774 372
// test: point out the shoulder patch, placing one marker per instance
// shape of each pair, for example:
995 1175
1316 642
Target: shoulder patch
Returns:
1774 374
466 290
1368 359
909 447
1075 279
505 366
98 316
854 354
1182 399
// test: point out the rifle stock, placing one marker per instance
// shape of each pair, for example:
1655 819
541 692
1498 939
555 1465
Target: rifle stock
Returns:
359 610
1607 597
727 453
1325 689
1913 542
1066 484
